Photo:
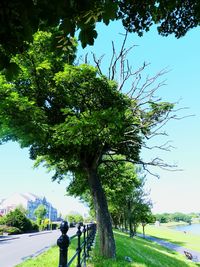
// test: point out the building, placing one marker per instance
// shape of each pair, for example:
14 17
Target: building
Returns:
29 202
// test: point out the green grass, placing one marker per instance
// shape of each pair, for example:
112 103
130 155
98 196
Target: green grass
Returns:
50 258
186 240
144 253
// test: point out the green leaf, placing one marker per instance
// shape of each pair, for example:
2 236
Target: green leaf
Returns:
87 36
68 26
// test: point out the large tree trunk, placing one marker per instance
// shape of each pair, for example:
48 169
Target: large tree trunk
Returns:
107 242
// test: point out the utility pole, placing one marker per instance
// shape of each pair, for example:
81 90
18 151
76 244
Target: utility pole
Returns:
49 216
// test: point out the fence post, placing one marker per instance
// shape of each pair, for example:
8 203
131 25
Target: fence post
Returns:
79 246
85 244
90 237
63 243
87 254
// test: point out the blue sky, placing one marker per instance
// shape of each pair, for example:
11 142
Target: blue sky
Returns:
174 191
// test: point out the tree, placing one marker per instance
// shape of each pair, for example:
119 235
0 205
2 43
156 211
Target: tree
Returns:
73 118
145 216
19 19
137 206
178 216
40 213
124 189
74 218
22 209
119 179
18 219
163 218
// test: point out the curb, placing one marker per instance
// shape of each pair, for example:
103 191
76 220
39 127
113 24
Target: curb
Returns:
40 233
8 238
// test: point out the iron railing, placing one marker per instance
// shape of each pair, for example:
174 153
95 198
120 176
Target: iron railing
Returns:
84 244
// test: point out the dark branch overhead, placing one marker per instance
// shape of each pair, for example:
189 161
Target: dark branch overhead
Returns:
19 19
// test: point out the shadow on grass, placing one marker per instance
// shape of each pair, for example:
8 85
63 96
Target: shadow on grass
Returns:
143 253
180 247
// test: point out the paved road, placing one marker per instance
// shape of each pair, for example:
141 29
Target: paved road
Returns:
180 249
19 248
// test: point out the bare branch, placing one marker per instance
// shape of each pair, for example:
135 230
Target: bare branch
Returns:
165 147
98 63
156 162
149 122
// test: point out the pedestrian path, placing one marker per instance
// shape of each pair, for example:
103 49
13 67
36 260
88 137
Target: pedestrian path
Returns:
172 246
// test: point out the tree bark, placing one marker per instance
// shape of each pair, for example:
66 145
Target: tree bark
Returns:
125 222
107 242
130 219
134 229
143 230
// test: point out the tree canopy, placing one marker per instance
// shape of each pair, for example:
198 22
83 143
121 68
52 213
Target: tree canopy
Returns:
20 19
40 213
74 119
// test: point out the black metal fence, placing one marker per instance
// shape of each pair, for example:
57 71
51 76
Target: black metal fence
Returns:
85 237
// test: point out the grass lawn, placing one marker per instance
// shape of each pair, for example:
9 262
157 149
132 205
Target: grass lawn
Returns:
187 240
50 258
143 253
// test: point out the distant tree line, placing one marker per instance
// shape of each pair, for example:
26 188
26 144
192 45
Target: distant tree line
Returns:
176 217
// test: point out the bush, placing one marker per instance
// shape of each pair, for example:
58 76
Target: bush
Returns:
2 220
17 219
9 230
13 230
35 227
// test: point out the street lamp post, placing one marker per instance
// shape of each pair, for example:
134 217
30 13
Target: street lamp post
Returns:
50 217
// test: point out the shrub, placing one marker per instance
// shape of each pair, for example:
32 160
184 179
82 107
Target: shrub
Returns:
18 219
9 230
35 227
2 220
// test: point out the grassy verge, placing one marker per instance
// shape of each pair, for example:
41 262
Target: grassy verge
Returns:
50 258
143 253
187 240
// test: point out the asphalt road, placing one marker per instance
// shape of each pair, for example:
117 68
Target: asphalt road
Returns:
16 250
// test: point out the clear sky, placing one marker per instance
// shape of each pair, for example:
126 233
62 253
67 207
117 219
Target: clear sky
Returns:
174 191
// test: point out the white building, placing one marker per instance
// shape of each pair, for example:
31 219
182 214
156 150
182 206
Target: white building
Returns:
29 202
